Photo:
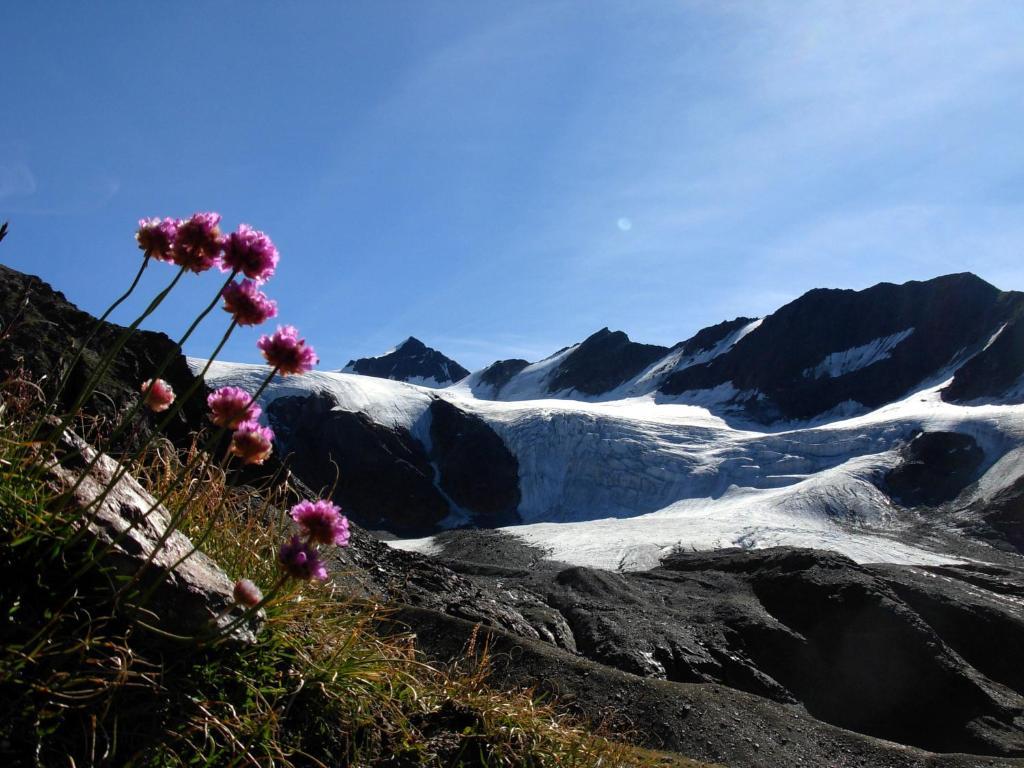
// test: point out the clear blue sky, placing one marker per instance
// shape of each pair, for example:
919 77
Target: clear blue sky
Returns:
503 178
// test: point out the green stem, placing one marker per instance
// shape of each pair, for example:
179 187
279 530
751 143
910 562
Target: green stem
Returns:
99 324
126 420
109 358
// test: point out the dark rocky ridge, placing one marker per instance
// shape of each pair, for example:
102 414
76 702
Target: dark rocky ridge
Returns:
602 362
951 316
498 374
707 338
412 360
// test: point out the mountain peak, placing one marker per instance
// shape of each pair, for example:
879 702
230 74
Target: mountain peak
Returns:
411 361
411 344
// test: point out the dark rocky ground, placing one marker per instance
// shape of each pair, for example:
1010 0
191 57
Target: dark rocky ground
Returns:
771 657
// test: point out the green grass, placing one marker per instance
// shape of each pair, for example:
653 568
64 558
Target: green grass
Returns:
84 682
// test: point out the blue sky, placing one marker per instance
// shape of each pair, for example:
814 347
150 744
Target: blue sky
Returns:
501 179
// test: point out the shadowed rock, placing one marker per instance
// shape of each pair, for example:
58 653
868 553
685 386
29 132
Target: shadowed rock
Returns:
934 467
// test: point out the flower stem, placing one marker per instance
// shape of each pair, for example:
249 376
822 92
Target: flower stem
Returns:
108 358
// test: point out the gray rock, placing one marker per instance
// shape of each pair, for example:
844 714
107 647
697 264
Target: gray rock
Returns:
191 593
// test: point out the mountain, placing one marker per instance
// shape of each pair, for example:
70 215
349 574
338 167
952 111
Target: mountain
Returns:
829 350
856 350
411 361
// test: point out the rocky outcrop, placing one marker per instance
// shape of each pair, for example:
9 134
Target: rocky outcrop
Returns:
998 519
191 595
381 476
411 361
386 478
934 468
498 374
867 347
476 470
708 338
602 362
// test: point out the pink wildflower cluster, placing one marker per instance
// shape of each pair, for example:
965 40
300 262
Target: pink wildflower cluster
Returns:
320 522
157 394
196 244
286 352
232 406
247 303
250 252
156 237
246 593
252 443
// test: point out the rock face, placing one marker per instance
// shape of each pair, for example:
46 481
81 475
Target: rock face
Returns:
934 468
476 470
42 330
602 362
381 476
868 347
386 478
411 361
193 596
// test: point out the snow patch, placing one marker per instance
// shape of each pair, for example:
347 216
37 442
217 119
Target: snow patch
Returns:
841 363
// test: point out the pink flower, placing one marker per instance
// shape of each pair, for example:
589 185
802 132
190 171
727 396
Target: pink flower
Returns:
322 522
301 560
231 407
285 351
157 394
250 252
246 593
252 443
198 245
156 238
248 303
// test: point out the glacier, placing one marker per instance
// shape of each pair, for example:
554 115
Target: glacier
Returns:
618 484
